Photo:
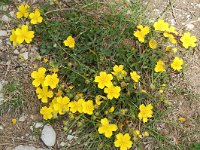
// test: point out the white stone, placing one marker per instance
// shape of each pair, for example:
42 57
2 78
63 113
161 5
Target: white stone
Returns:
1 127
12 13
70 137
23 118
48 136
31 127
173 22
189 26
63 144
5 19
3 33
25 55
16 52
38 125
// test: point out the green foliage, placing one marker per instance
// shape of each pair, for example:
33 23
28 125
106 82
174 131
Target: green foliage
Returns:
104 38
14 97
196 146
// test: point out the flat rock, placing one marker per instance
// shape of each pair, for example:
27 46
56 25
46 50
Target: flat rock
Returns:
48 135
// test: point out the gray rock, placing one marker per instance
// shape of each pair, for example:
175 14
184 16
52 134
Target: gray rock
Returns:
3 33
25 55
16 52
48 135
70 137
22 118
5 19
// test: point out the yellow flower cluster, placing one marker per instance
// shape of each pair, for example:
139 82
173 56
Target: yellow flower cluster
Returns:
173 36
59 105
168 32
22 33
176 65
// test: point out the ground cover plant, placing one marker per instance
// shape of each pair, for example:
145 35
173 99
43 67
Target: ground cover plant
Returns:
107 71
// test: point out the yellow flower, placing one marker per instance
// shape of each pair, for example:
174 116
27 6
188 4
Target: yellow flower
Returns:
145 134
23 11
123 141
174 50
153 44
170 37
14 121
51 80
188 40
44 94
60 105
46 112
141 33
134 76
78 96
38 76
136 132
98 99
54 69
161 25
35 17
103 80
77 106
112 92
112 109
59 93
88 107
172 29
45 60
13 38
177 64
145 112
168 49
70 42
70 87
23 34
181 119
119 71
107 128
160 66
169 33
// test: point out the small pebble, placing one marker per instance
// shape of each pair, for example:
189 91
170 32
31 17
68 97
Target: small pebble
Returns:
3 33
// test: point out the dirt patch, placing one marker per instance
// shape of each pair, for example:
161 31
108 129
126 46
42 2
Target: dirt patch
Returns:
184 100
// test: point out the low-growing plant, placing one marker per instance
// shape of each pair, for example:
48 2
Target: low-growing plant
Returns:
108 73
